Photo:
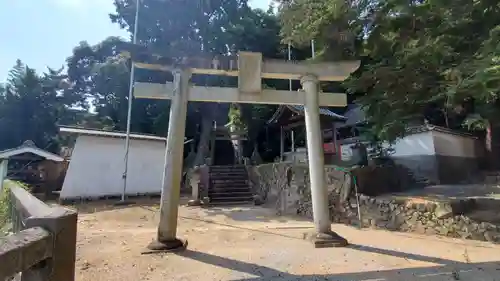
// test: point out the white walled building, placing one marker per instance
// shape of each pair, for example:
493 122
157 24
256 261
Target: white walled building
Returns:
434 153
97 164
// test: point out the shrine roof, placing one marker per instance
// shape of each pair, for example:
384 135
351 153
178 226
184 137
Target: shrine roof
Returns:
299 109
29 147
355 116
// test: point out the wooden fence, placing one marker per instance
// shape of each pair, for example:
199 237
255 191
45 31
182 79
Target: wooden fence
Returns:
44 244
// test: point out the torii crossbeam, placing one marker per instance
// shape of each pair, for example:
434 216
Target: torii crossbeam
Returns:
250 68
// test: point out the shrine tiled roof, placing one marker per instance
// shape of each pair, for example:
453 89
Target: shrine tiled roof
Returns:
322 111
299 109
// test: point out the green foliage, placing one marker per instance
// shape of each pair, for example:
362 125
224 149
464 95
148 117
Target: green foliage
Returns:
31 106
5 204
172 29
422 60
235 118
101 75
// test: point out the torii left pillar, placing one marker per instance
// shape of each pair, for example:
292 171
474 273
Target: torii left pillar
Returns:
170 195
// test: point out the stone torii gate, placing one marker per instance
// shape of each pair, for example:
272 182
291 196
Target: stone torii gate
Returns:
250 68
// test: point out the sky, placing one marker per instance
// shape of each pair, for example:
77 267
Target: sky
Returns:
44 32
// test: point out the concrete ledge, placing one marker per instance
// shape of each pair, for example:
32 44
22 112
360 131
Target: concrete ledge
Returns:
34 216
26 204
21 251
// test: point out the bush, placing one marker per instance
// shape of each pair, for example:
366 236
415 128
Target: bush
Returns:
5 202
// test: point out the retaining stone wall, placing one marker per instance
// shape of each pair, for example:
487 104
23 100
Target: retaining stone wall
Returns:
285 186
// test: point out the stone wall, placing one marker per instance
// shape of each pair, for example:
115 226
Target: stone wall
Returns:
269 180
285 187
419 216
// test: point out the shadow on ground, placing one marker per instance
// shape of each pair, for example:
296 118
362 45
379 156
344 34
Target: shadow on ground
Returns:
446 270
249 213
91 207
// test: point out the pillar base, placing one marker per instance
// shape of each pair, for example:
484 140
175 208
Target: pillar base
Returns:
174 245
327 240
194 202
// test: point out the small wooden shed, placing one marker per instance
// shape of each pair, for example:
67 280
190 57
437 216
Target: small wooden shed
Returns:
25 162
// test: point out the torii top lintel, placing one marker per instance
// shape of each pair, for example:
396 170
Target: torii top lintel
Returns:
248 63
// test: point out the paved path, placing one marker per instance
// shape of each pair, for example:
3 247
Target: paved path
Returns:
253 244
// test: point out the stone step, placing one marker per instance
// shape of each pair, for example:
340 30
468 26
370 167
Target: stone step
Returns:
229 189
228 177
228 169
229 181
214 200
215 175
245 194
239 182
231 203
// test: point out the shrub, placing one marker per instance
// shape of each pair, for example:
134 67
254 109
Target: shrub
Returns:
5 202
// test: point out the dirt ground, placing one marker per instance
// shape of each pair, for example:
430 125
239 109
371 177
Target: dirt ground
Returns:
251 243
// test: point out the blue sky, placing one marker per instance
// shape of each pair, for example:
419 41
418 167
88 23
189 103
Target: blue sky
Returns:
43 32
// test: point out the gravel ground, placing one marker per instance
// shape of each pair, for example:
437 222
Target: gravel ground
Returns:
251 243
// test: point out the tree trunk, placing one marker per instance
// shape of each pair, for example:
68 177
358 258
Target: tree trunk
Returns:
234 133
206 131
237 143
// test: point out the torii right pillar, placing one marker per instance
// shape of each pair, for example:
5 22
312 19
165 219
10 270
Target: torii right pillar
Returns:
323 236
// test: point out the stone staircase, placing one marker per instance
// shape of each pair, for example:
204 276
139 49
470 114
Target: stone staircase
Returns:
229 185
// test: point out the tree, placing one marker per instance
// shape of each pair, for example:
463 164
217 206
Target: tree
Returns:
415 54
100 75
32 105
175 29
